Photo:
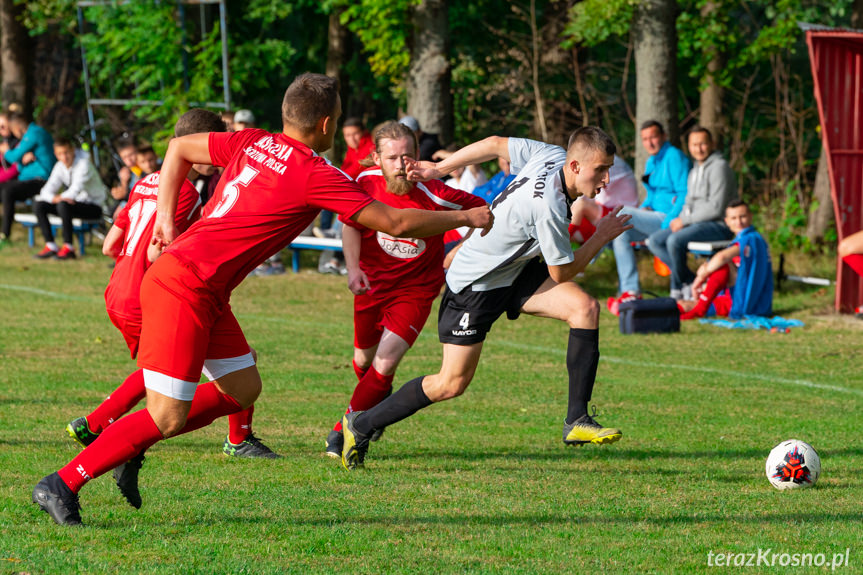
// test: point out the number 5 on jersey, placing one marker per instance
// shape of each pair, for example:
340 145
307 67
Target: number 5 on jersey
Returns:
231 191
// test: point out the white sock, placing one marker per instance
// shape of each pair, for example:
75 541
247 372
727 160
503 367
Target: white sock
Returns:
51 246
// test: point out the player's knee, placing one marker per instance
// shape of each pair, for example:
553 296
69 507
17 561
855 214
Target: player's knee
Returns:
443 388
584 315
169 424
386 365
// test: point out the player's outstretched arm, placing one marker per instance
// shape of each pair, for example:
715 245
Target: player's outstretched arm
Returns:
352 239
490 148
421 223
607 228
181 154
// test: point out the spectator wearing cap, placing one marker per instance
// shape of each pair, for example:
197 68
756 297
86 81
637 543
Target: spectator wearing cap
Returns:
243 119
429 143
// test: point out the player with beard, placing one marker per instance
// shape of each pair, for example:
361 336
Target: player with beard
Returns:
502 272
394 280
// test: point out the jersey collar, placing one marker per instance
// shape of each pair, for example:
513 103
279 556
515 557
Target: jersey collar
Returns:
566 196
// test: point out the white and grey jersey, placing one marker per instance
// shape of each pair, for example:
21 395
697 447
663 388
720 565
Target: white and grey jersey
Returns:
530 219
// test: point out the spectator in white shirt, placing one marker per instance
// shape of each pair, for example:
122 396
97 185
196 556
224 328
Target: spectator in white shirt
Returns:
73 190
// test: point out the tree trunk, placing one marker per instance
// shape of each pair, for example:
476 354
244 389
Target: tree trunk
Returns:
15 58
822 216
428 81
337 41
711 114
655 39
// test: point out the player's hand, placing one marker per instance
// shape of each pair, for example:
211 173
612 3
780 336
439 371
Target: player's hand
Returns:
164 232
153 252
358 282
480 218
28 158
676 225
612 225
421 171
125 175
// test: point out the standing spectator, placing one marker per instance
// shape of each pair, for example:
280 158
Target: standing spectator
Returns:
7 171
710 187
664 178
34 156
621 190
429 143
74 190
128 175
394 280
147 160
243 120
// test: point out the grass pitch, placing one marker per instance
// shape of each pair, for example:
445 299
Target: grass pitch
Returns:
480 484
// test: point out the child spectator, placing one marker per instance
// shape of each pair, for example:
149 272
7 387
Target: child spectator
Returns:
147 160
128 175
34 157
749 280
74 190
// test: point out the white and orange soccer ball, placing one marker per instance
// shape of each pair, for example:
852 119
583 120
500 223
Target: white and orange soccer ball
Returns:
793 464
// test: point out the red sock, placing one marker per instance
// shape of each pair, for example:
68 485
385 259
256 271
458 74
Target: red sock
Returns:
136 432
372 389
856 262
360 371
120 402
119 443
240 425
716 282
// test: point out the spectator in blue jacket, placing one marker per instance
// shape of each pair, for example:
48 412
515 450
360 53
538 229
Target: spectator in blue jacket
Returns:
34 157
498 183
664 178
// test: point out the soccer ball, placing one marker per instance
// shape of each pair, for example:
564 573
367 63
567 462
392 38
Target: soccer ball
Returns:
793 464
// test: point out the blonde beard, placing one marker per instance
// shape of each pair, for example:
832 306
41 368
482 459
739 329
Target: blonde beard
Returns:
398 187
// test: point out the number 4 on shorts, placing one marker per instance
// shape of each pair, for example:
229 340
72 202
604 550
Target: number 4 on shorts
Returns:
464 322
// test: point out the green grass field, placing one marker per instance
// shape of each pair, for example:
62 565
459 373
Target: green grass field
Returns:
480 484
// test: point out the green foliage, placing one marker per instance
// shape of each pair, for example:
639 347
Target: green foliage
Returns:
788 234
594 21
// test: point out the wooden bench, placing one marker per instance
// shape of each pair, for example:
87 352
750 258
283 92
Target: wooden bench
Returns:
312 243
79 227
707 249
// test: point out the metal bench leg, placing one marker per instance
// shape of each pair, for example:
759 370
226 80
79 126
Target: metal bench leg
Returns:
295 260
31 236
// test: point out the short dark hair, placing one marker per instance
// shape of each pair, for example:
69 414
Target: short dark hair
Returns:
309 98
197 121
126 142
701 130
146 150
593 138
652 124
19 117
354 122
736 204
63 142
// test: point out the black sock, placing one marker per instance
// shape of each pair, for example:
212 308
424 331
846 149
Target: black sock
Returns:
582 359
409 399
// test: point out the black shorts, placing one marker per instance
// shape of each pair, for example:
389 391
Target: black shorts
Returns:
465 318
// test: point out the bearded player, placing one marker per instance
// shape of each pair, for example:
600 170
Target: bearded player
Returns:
273 187
394 280
502 271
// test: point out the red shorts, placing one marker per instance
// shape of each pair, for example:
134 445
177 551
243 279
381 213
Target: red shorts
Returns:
722 304
404 314
183 324
131 330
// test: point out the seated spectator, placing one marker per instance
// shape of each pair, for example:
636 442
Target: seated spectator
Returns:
710 187
621 190
464 179
738 281
34 156
243 120
664 178
7 171
498 183
74 190
851 251
147 160
429 143
128 175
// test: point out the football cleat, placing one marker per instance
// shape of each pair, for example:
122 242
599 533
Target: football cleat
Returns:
79 431
126 477
56 499
45 253
377 434
251 446
333 443
65 253
355 443
586 430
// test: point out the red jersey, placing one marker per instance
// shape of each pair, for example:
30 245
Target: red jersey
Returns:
137 218
406 263
351 165
272 188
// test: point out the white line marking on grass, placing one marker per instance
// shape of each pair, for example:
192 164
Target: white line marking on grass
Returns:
55 295
696 368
